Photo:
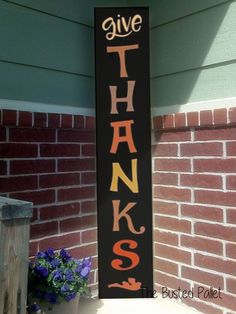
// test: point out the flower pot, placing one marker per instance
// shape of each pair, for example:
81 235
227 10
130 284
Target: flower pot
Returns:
71 307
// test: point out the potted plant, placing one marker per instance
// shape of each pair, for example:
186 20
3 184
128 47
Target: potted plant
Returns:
56 281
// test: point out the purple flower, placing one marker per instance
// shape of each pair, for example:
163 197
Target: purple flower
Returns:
51 297
65 288
42 271
55 263
49 254
57 275
70 296
64 255
85 271
79 267
34 308
41 255
69 275
84 268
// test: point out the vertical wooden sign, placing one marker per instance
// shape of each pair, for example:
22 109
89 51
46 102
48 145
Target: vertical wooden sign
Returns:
123 153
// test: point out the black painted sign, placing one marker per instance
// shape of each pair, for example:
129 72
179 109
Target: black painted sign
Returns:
123 153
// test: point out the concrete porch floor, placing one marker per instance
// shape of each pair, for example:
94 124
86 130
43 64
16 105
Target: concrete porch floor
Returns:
137 306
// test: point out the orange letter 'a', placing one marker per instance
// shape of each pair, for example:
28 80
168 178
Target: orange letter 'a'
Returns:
121 52
128 99
117 138
117 263
117 173
124 213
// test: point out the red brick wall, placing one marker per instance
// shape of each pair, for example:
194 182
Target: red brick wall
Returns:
194 188
49 159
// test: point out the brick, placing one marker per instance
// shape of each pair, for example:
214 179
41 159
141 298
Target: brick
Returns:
201 180
178 165
3 167
54 120
88 177
67 179
231 149
89 236
201 149
215 165
76 193
165 208
84 251
78 122
231 285
59 211
174 194
31 135
90 122
91 277
180 120
79 136
157 122
173 224
202 212
231 182
216 264
215 197
59 150
165 178
165 266
32 166
88 207
170 281
166 150
174 254
215 134
66 121
206 117
165 237
231 250
33 248
168 121
37 197
192 119
40 119
202 244
232 115
89 150
215 231
2 134
173 136
201 276
35 216
25 119
225 300
12 150
231 216
77 223
11 184
220 116
60 241
77 164
43 229
202 307
9 117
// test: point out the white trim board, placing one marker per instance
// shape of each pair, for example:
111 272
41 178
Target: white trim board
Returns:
42 107
195 106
